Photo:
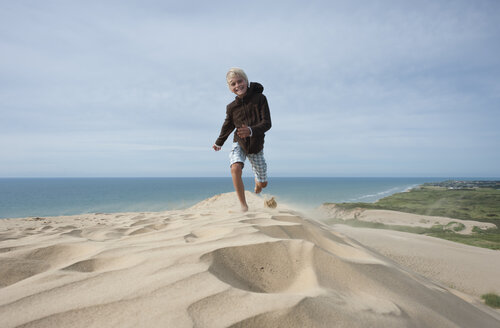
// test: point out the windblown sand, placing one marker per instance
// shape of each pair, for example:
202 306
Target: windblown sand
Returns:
471 270
211 266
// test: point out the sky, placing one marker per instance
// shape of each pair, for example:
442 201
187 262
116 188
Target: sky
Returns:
355 88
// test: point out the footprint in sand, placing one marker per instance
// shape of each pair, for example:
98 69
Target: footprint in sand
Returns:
264 222
207 234
269 267
140 222
101 264
73 233
148 228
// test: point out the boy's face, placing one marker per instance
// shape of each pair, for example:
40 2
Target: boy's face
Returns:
238 86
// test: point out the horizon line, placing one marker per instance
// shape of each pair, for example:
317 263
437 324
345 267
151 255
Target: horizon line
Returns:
229 177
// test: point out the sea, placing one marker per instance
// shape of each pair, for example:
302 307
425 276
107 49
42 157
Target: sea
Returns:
39 197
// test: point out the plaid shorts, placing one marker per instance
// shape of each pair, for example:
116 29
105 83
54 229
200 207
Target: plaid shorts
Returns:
258 162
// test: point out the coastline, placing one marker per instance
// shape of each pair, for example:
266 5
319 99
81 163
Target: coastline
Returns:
210 266
38 197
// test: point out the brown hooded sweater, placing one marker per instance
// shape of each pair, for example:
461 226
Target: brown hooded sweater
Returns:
253 111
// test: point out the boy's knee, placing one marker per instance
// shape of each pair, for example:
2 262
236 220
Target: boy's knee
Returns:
236 168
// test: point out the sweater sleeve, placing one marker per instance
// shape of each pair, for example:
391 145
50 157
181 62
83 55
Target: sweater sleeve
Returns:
226 129
265 123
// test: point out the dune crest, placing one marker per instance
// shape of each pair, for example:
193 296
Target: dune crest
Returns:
211 266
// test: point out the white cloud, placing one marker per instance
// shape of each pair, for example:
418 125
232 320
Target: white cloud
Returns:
380 84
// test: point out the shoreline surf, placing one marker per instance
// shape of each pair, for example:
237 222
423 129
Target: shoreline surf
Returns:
24 197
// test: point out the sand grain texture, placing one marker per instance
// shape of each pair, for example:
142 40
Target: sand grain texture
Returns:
468 269
211 266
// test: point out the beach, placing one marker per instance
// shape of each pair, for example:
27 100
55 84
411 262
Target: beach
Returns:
211 265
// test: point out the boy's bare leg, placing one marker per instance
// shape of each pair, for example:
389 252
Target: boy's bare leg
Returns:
236 171
259 186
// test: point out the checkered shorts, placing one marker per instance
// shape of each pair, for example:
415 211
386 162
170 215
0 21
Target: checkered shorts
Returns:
258 162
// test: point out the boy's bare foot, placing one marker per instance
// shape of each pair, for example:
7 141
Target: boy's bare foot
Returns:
259 186
244 208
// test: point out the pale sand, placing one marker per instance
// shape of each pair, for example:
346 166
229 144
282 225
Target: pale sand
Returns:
472 270
211 266
400 218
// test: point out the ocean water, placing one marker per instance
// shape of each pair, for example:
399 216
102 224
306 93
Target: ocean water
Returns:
30 197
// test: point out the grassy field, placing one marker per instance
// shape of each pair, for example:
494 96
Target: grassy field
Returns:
480 204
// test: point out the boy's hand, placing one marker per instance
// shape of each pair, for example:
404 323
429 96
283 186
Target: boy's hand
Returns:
216 148
243 132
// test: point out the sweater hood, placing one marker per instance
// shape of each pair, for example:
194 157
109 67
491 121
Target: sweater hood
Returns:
254 88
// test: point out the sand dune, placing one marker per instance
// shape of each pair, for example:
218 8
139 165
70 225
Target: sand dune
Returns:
401 218
211 266
471 270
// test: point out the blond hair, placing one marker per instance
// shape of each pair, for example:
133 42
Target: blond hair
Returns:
236 71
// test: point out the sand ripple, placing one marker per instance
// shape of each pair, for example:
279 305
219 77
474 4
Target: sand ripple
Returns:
211 266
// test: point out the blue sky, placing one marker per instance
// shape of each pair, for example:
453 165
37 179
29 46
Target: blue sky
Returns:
355 88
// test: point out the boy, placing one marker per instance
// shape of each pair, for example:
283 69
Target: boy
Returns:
249 114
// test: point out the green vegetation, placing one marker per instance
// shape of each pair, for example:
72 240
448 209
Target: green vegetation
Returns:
482 204
377 225
486 239
455 226
492 300
453 184
458 200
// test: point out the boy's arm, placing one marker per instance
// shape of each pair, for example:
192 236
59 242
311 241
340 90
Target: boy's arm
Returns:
226 130
265 123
